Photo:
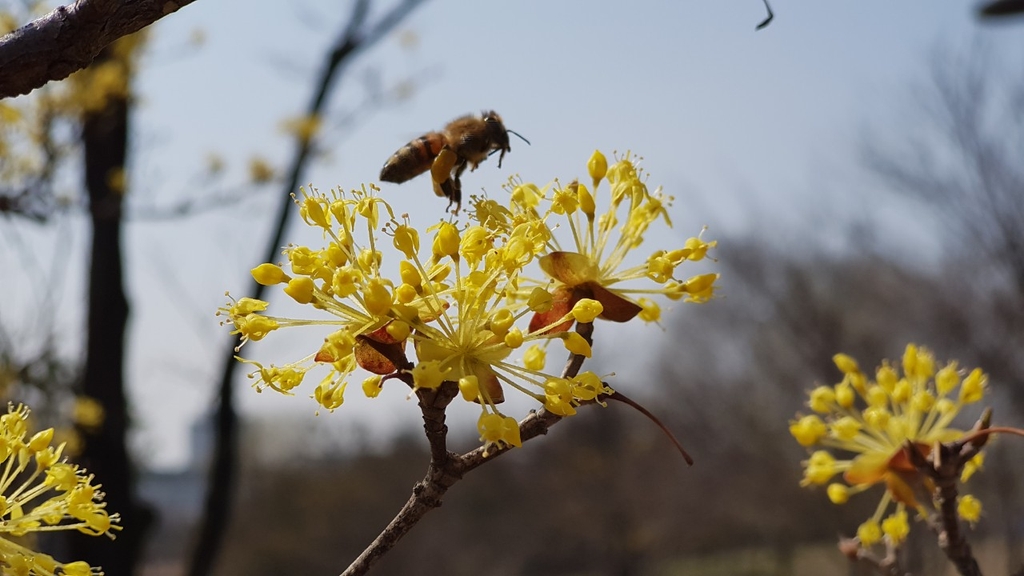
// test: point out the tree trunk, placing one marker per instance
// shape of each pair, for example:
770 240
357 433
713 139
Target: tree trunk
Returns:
105 137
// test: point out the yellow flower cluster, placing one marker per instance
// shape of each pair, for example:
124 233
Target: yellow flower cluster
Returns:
592 263
873 420
41 493
463 304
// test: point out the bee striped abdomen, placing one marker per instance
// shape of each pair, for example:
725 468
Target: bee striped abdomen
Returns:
412 159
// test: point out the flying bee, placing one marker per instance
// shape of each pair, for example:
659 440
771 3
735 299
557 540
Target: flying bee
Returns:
465 141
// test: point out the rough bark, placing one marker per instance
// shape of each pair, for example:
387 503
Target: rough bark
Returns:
69 38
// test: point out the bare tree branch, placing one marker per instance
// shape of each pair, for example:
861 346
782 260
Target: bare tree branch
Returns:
69 38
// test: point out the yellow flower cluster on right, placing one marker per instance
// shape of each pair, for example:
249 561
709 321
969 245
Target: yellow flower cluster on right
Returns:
873 420
41 493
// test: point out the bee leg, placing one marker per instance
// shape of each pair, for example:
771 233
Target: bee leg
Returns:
455 197
452 187
451 192
459 169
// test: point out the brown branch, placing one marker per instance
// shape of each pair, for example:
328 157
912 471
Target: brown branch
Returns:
69 38
944 465
447 468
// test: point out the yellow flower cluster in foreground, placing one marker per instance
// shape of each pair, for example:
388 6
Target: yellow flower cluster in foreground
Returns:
873 420
465 304
41 493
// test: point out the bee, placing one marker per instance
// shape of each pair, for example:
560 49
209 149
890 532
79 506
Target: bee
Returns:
465 141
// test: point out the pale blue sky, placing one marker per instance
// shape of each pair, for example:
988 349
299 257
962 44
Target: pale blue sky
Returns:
753 132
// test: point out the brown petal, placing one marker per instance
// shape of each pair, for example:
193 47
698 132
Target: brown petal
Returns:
562 301
369 355
323 356
616 308
902 462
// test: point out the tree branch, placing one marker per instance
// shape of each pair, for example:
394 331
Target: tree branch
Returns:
943 466
69 38
447 468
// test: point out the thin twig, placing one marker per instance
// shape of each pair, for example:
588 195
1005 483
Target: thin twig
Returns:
767 20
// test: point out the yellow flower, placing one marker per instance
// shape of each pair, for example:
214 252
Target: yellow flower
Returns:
896 527
88 412
593 264
838 493
808 430
303 128
819 469
343 279
972 466
869 533
969 508
872 421
260 171
42 493
496 430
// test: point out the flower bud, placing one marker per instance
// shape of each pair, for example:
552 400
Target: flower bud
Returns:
469 386
846 364
514 338
576 344
838 493
446 242
540 300
269 274
407 240
300 289
312 211
372 386
586 310
597 166
586 200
